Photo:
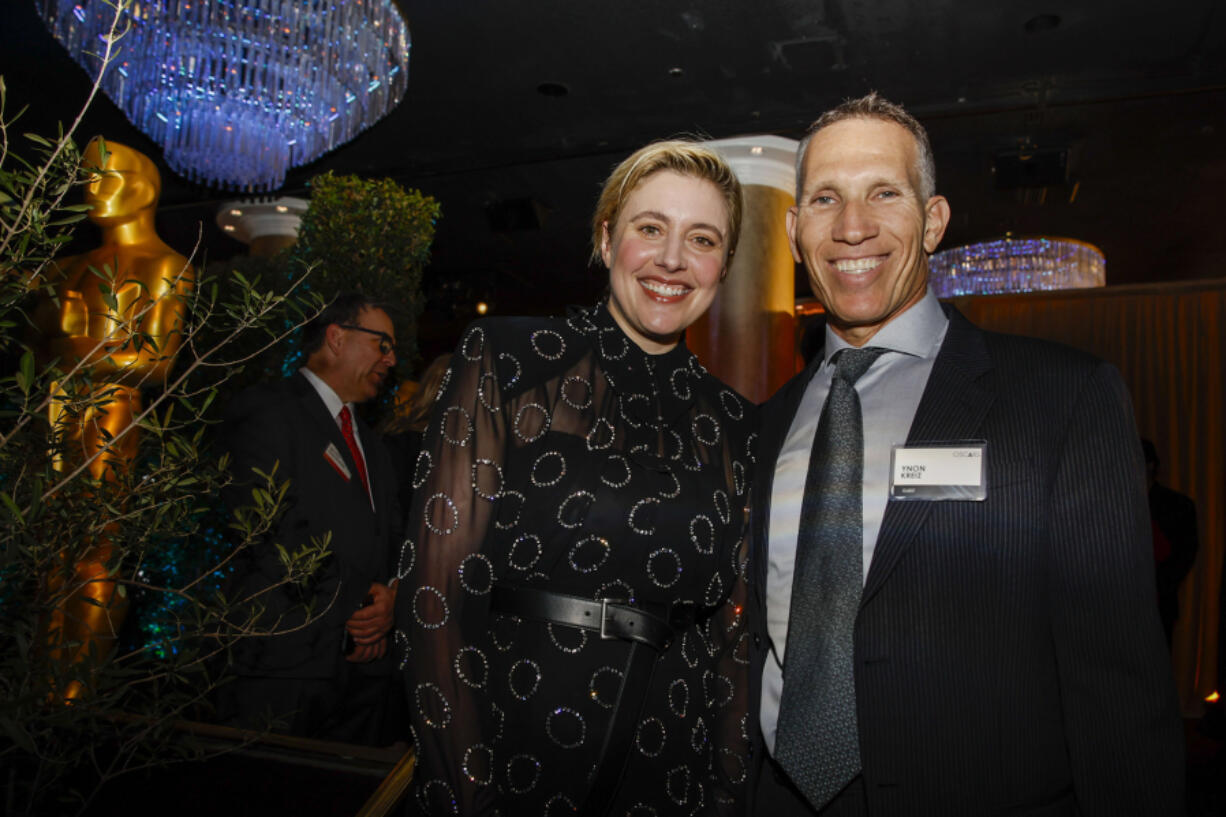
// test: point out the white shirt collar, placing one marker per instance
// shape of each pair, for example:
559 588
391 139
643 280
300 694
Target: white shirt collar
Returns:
332 402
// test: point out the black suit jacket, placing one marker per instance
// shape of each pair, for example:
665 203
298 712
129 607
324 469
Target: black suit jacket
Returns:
286 425
1008 655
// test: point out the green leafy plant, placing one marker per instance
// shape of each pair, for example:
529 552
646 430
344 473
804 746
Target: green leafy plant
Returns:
56 515
373 236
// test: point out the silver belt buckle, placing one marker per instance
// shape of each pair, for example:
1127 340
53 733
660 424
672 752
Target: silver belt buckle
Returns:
604 617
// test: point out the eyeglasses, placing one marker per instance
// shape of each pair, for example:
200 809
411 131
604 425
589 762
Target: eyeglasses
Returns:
386 344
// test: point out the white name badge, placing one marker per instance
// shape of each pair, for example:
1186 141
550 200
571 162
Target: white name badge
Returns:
935 471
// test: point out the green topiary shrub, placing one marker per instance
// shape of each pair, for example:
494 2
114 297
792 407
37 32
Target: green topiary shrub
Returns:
373 236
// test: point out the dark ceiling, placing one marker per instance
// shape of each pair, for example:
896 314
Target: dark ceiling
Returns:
1132 93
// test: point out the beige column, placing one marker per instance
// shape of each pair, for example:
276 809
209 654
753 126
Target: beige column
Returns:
266 227
747 339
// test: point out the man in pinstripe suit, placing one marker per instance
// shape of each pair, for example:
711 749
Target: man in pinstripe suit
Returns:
1006 654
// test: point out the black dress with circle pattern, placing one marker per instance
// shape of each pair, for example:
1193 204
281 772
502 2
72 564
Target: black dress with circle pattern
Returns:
561 456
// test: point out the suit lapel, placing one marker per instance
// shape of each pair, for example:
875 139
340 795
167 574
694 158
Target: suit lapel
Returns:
328 430
955 401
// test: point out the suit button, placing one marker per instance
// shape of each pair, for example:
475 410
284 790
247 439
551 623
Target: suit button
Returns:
757 640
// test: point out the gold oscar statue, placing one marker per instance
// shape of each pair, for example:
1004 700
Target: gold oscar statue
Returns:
114 325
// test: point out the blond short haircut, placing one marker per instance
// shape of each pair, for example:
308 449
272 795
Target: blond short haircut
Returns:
684 156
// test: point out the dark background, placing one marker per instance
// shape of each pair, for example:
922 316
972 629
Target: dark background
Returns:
1132 95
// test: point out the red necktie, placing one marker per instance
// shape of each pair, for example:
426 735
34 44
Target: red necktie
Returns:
347 431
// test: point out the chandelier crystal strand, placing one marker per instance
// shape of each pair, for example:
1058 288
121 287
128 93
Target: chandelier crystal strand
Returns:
1017 265
239 91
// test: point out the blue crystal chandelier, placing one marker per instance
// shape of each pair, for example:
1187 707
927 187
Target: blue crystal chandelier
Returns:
1017 265
239 91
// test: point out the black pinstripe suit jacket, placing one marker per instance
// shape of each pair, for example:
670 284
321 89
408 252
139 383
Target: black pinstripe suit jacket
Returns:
1008 655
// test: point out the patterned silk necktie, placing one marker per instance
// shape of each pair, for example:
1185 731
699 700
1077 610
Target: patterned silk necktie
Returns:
347 433
817 743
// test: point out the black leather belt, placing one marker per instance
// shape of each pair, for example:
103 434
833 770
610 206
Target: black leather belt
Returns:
645 625
653 625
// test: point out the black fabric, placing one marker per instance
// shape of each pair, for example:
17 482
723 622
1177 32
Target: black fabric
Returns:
562 457
1174 515
403 449
610 767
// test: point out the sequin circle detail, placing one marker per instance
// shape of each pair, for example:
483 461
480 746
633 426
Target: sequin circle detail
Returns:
531 422
678 445
731 404
473 345
523 771
698 735
568 634
436 795
715 590
738 477
519 370
663 567
487 464
421 468
574 508
510 506
454 416
476 574
603 686
485 389
429 514
525 552
566 727
402 649
589 553
471 667
408 555
676 491
523 678
428 597
626 407
615 480
559 805
734 765
677 784
548 469
650 737
706 429
717 689
548 344
637 512
601 436
678 697
605 351
682 394
478 758
432 706
576 401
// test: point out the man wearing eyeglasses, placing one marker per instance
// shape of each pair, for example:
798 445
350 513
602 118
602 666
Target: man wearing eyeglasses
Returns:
325 671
